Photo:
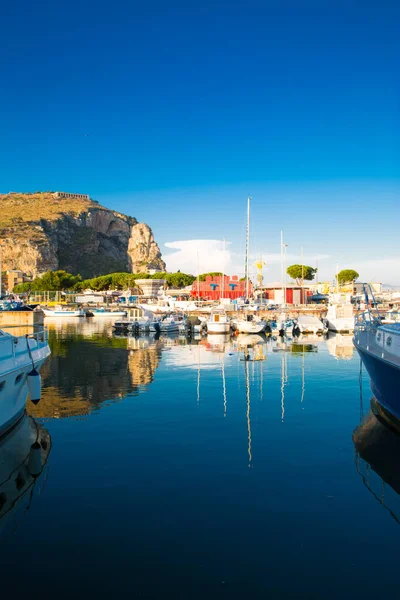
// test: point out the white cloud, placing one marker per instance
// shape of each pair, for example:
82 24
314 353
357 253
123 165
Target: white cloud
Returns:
207 255
384 270
211 257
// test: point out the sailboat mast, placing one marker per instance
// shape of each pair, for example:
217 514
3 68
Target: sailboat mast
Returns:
223 272
247 248
198 275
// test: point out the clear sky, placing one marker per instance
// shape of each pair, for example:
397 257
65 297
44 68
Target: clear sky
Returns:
174 112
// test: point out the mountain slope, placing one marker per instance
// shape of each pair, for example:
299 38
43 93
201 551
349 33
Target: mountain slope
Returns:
40 232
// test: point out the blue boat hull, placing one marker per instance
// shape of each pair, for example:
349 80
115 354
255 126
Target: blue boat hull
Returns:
385 381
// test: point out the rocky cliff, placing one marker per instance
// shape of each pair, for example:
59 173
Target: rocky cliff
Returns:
39 232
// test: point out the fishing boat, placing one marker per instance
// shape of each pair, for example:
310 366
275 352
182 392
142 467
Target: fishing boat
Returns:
218 322
111 314
172 324
379 348
20 360
24 451
138 320
62 313
340 315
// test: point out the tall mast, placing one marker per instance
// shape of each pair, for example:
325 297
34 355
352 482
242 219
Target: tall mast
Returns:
247 248
282 269
198 275
223 273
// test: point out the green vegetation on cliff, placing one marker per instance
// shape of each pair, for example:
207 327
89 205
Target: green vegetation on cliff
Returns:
61 281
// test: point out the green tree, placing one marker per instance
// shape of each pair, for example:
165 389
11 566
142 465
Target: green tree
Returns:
203 276
178 279
301 273
347 276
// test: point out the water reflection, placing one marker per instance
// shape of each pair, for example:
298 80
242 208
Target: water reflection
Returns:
23 456
378 459
340 346
89 366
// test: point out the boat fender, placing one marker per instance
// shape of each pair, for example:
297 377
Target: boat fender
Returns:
34 386
281 332
34 465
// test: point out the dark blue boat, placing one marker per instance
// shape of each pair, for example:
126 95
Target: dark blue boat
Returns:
379 348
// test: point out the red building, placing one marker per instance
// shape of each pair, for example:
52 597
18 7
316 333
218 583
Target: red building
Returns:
294 294
211 288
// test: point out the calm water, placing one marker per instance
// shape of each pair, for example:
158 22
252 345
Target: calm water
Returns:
183 470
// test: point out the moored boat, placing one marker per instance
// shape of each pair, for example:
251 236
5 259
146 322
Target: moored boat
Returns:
138 320
20 360
111 314
248 323
309 324
340 315
379 348
218 322
62 313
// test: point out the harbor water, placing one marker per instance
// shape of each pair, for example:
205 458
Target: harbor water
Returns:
246 467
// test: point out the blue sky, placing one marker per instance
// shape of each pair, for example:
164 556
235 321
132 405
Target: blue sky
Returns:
175 112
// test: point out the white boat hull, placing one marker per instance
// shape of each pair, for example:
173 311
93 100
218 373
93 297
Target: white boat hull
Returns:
218 327
109 314
309 324
15 364
250 326
62 314
340 325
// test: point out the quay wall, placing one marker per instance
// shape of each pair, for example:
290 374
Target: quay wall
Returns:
19 318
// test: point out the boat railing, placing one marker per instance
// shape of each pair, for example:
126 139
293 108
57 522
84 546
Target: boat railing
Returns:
370 316
34 332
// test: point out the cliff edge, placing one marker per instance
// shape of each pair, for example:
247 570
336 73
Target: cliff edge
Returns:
41 232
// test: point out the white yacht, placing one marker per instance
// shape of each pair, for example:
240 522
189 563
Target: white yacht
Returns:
20 360
218 322
340 315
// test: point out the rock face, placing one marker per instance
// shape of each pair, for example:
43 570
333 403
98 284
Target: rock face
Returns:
40 233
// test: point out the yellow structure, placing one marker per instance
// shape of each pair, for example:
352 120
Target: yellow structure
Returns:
259 264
